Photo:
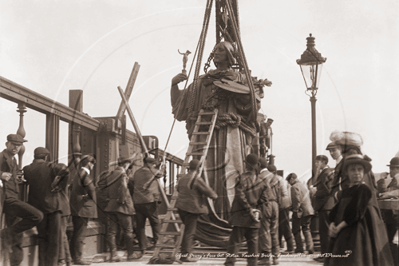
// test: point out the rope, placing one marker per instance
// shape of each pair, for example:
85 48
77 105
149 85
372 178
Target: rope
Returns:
235 121
253 114
200 54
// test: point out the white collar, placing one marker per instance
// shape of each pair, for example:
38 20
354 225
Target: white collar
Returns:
339 159
87 170
264 170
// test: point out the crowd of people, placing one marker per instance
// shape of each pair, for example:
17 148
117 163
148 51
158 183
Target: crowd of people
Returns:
58 193
351 225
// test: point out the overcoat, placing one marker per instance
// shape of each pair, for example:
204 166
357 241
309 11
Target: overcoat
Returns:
322 197
83 196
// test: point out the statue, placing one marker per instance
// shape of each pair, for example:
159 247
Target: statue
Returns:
224 89
185 59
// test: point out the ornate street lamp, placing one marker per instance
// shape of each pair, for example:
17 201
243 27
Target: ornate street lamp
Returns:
311 63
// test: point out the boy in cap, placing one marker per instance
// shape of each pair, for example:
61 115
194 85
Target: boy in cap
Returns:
13 207
40 175
302 214
119 207
191 204
268 232
249 195
145 201
322 200
83 206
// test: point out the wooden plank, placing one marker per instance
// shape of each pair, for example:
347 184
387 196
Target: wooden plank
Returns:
19 94
128 90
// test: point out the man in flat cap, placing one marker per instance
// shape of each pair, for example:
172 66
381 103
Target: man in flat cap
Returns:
191 203
302 212
83 206
146 197
44 195
390 217
118 207
13 207
250 194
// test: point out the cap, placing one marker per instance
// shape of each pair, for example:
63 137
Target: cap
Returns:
291 176
194 164
40 150
331 145
263 163
150 160
252 159
16 138
322 158
272 168
122 160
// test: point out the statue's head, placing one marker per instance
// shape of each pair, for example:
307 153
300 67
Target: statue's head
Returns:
224 52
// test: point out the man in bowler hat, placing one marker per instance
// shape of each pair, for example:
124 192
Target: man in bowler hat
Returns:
13 207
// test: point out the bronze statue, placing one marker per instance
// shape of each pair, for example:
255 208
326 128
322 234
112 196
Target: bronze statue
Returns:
185 59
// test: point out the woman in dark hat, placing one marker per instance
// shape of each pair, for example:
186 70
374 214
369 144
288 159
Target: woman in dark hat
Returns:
357 235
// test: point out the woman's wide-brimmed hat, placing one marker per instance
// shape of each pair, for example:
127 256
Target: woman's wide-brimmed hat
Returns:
357 159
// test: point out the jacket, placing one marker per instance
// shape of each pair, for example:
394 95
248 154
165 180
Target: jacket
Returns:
284 200
322 198
114 190
9 164
193 200
249 194
301 200
83 195
39 176
141 195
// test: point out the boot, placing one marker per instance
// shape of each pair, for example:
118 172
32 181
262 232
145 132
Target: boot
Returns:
309 241
112 248
129 245
275 260
298 242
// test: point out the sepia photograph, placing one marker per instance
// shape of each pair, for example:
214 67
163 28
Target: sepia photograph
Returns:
200 132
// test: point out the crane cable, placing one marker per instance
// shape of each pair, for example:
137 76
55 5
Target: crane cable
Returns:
198 53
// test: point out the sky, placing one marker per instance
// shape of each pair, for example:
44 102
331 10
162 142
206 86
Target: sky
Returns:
53 46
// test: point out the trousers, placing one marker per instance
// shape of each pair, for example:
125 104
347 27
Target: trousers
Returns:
284 229
302 224
78 237
125 222
49 233
268 232
190 225
235 240
144 211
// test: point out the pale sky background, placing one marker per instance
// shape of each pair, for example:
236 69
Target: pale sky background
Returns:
54 46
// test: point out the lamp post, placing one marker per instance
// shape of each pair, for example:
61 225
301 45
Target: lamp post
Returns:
311 63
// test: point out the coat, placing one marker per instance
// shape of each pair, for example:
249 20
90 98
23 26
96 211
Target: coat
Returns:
83 196
39 176
193 200
301 202
141 195
365 236
284 200
322 198
114 190
9 164
249 194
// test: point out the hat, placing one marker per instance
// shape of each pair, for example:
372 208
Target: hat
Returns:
194 164
356 159
331 145
40 150
252 159
291 176
16 138
346 138
322 158
263 163
89 158
122 160
272 168
150 160
394 162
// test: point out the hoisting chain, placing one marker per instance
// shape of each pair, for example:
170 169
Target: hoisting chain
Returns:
234 120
